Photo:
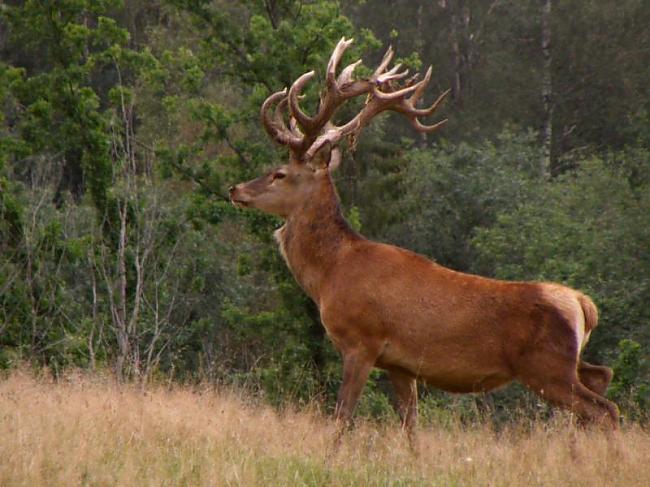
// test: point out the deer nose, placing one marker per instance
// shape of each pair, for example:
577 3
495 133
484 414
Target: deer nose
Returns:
231 189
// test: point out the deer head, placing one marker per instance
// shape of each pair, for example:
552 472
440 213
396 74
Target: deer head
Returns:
313 140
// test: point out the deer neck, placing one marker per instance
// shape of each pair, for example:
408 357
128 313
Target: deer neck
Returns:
313 237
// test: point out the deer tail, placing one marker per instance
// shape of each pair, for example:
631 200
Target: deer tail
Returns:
590 313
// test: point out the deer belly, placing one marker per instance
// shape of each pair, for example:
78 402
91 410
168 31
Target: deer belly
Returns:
449 368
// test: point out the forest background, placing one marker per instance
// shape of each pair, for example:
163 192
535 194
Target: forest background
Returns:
123 123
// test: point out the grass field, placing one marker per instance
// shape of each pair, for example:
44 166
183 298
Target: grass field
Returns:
86 431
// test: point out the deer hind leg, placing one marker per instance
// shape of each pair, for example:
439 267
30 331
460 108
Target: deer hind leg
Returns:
595 377
406 392
566 390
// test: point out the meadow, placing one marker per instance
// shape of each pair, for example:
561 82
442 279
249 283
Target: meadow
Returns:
87 430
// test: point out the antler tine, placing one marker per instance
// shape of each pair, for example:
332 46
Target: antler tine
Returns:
274 98
388 56
394 95
425 112
346 75
412 79
335 59
293 125
407 107
276 127
427 129
392 75
305 121
421 86
279 117
331 136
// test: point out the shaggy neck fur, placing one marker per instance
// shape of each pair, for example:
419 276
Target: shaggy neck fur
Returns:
313 236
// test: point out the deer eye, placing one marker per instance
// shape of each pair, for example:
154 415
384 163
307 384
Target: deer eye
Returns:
278 175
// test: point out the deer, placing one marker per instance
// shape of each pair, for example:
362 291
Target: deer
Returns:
389 308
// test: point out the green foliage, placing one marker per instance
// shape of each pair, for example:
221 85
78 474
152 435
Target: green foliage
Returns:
450 191
123 124
630 387
354 218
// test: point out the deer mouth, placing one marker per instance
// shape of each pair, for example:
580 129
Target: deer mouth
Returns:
239 203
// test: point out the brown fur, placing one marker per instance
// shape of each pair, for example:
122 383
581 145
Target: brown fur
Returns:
387 307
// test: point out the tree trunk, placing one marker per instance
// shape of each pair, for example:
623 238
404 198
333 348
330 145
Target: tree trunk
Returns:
456 53
72 178
462 40
547 91
120 312
419 45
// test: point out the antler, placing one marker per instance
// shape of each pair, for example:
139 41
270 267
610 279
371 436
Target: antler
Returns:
303 135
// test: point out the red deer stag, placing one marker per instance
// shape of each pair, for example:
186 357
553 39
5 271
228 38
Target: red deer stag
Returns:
387 307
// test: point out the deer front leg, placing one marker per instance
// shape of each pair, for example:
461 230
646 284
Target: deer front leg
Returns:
356 368
406 392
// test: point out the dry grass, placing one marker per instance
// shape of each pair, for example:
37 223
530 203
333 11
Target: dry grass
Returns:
86 431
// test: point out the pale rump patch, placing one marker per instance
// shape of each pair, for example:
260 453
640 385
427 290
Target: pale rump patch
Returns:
581 336
566 301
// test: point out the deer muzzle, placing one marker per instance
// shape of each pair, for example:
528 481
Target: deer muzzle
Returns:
237 196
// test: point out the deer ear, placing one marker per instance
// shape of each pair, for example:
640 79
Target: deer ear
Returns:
327 157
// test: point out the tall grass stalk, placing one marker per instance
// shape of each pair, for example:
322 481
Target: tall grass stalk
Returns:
85 430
